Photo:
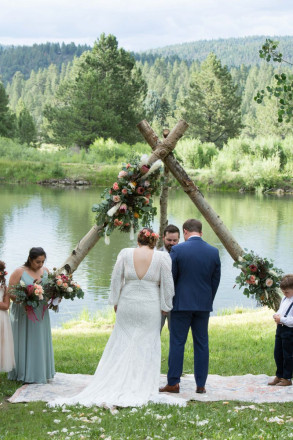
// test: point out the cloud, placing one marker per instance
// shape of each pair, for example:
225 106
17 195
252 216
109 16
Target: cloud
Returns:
141 25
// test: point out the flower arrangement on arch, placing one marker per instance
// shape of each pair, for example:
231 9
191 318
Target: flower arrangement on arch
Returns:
30 296
259 278
60 286
129 200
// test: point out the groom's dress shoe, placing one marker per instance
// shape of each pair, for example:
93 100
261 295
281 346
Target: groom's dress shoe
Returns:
201 390
275 381
285 383
170 388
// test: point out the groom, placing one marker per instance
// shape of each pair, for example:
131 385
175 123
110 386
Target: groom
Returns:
196 271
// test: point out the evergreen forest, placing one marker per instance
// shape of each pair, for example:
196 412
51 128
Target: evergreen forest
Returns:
71 95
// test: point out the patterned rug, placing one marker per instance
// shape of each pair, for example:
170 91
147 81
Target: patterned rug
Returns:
248 388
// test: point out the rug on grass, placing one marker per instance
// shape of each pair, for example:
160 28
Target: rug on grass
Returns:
248 388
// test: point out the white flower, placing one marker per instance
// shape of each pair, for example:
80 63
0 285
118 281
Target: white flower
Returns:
56 301
22 283
143 160
114 209
240 259
41 297
272 272
69 289
153 168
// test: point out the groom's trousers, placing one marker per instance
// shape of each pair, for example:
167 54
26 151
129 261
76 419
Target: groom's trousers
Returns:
181 322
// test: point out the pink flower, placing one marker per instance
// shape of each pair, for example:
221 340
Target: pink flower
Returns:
140 190
269 282
128 165
115 186
251 279
116 199
146 201
124 191
110 191
155 235
59 282
65 285
144 169
117 222
122 174
253 267
148 195
123 208
147 233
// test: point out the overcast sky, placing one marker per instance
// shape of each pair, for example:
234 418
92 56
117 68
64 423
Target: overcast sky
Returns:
141 24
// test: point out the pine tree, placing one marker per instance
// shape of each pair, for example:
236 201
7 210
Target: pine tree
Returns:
7 118
212 108
26 129
105 99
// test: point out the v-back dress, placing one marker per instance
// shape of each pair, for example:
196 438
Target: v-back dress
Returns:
6 339
128 373
33 349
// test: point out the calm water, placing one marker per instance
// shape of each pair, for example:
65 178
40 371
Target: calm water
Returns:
56 219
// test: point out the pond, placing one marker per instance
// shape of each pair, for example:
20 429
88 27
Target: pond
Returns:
57 218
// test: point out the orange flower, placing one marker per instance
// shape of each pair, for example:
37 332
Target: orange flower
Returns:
136 215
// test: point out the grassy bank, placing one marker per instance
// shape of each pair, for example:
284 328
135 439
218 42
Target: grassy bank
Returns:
243 164
239 344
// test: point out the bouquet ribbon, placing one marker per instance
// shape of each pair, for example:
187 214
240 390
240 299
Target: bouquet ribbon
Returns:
31 313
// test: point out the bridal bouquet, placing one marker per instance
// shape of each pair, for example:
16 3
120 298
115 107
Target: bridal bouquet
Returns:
30 296
60 286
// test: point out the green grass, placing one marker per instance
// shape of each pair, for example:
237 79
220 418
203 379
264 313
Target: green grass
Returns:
240 343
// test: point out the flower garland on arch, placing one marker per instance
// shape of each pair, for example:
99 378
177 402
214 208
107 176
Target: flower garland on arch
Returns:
260 279
129 200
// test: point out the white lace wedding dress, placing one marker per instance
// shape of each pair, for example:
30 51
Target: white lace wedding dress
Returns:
129 371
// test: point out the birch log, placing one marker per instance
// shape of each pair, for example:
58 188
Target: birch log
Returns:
82 249
164 200
164 151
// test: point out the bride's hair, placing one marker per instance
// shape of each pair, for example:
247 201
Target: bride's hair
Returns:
2 274
147 237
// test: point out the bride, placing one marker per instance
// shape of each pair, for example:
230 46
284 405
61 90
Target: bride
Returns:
128 373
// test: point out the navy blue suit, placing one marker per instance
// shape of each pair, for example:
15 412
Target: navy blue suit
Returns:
196 269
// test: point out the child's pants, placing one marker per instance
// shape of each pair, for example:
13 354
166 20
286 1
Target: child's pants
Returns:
284 351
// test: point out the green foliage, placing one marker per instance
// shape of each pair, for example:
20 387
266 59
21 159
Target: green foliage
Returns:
26 129
7 118
212 108
195 154
24 59
104 99
283 87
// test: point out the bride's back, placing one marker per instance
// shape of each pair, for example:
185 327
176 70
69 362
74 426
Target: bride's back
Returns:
142 258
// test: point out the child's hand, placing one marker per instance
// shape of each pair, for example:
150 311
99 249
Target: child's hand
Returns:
277 318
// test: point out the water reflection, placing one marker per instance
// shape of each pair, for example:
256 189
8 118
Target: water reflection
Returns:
57 218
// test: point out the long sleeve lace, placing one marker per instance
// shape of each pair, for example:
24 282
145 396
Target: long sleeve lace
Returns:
117 279
166 283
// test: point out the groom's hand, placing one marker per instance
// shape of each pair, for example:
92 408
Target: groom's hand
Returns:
164 313
115 309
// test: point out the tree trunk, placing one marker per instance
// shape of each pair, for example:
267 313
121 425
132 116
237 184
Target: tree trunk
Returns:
82 249
163 207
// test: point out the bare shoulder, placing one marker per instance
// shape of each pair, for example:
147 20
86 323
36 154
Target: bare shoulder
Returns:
16 275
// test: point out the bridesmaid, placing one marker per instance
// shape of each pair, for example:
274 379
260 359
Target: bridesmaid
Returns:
33 349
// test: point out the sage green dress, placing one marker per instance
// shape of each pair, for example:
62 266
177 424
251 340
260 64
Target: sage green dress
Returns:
33 349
